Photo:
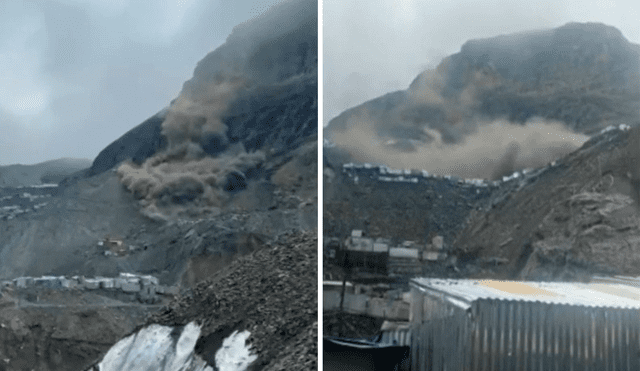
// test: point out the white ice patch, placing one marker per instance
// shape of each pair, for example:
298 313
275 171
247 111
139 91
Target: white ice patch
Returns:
235 355
154 348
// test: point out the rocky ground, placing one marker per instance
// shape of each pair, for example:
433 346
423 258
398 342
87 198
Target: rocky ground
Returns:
272 293
575 217
51 330
572 220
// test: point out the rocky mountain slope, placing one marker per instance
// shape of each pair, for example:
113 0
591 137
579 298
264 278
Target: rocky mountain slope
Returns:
575 219
532 93
373 200
272 293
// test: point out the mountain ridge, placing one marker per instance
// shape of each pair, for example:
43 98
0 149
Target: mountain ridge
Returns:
573 80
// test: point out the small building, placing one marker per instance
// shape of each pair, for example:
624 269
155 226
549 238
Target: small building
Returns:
438 242
112 242
509 325
115 245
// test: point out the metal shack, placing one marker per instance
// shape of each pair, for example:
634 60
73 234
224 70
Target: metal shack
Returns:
510 325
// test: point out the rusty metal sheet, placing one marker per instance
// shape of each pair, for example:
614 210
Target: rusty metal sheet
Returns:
596 294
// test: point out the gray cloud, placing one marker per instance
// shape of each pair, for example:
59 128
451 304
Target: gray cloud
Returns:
80 74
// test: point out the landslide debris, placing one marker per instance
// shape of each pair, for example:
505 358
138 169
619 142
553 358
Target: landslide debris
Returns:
272 293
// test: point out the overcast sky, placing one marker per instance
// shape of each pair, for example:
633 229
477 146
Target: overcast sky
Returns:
374 47
77 74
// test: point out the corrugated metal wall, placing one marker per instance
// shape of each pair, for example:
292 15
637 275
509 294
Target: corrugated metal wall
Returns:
519 335
401 336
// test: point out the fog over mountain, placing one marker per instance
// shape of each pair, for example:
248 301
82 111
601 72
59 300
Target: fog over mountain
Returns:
507 102
77 74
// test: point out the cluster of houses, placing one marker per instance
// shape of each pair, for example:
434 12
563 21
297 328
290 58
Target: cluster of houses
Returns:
126 282
381 256
12 211
385 174
18 203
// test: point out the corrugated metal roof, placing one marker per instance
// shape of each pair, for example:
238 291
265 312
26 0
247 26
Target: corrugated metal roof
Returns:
594 294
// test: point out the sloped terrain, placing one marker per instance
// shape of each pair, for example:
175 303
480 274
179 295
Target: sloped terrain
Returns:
578 218
433 205
272 293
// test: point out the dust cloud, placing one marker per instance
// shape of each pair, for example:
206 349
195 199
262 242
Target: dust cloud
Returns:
489 151
198 168
448 136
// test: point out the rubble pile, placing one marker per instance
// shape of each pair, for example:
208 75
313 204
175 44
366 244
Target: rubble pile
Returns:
301 354
272 293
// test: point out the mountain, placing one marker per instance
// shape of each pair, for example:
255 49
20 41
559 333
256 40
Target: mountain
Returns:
45 172
265 78
561 207
225 170
569 81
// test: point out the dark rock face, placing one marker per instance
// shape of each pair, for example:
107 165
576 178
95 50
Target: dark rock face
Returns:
235 182
214 144
269 49
137 145
585 75
280 118
596 50
276 110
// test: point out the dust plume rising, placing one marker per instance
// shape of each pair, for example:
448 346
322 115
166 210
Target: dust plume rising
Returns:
198 170
437 127
195 116
489 150
170 188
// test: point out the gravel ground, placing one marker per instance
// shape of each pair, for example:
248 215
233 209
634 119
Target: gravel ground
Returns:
272 293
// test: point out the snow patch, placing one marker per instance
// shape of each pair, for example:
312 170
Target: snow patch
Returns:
155 348
235 355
